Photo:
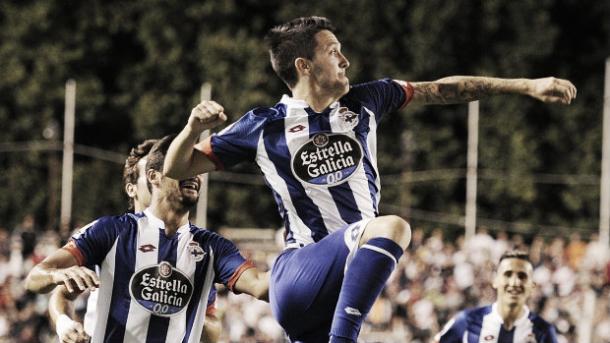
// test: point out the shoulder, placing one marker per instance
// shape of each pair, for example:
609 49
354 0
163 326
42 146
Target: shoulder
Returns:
264 113
539 324
108 223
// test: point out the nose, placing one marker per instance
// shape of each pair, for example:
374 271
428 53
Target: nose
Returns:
514 281
343 62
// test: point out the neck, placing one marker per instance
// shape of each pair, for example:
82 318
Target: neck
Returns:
510 314
317 98
172 216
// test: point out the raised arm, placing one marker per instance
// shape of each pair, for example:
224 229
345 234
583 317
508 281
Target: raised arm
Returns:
459 89
181 161
60 268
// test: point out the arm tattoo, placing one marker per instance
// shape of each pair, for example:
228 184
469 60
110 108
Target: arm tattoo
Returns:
459 89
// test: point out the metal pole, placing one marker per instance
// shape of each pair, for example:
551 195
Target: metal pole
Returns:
470 220
68 158
604 203
201 215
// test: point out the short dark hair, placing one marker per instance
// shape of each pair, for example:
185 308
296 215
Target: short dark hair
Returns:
156 156
292 40
518 254
130 169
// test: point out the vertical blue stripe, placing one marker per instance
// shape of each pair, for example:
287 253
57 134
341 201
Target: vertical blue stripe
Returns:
124 265
506 336
341 194
277 149
362 130
199 280
168 252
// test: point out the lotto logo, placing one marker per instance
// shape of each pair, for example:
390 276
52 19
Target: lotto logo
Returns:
296 128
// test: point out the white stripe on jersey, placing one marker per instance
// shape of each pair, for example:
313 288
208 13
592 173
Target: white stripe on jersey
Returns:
320 196
186 262
371 146
300 231
358 182
104 294
199 321
136 328
490 328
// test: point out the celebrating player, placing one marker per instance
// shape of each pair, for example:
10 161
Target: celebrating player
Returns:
156 268
317 151
508 319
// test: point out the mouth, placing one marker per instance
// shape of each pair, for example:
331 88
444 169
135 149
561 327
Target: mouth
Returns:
192 184
514 291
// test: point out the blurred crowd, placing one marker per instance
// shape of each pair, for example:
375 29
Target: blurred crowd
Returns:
436 278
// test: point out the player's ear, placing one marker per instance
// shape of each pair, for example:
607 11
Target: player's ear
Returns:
130 189
302 66
153 177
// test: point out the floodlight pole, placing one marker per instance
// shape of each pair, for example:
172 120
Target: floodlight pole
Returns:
68 154
470 220
202 203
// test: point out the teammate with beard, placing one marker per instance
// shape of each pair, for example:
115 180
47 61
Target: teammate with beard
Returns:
317 151
508 320
156 268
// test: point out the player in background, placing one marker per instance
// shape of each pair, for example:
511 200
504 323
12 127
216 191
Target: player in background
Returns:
507 320
60 309
317 151
147 263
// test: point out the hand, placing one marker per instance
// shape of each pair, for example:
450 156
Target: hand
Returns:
70 331
206 115
553 90
83 277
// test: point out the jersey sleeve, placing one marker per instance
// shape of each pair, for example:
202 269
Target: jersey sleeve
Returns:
545 332
93 241
237 142
229 264
383 96
453 331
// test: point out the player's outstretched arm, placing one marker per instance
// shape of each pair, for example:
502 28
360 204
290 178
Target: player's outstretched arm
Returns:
459 89
255 283
61 313
57 269
182 161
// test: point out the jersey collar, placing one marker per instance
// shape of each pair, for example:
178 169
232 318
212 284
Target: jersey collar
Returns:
156 222
496 315
298 104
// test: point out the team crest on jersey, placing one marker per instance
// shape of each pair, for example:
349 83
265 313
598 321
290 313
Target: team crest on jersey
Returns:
327 159
347 119
161 289
196 250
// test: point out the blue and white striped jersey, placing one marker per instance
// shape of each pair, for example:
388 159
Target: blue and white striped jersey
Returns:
484 325
153 288
321 167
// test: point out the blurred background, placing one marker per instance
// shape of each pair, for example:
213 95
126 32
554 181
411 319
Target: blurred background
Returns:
138 68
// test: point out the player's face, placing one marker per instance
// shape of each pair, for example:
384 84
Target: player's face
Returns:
183 192
142 197
513 282
329 65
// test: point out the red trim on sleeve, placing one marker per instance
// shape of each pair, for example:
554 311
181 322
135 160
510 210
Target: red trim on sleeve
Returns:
205 147
210 311
408 89
73 249
244 266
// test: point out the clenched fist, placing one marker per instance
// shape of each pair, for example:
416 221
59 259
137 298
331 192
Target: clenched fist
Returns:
206 115
553 90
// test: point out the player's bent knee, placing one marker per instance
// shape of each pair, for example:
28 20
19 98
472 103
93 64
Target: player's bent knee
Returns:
390 227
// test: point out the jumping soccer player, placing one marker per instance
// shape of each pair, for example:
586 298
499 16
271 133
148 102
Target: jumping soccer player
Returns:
317 151
508 320
156 268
